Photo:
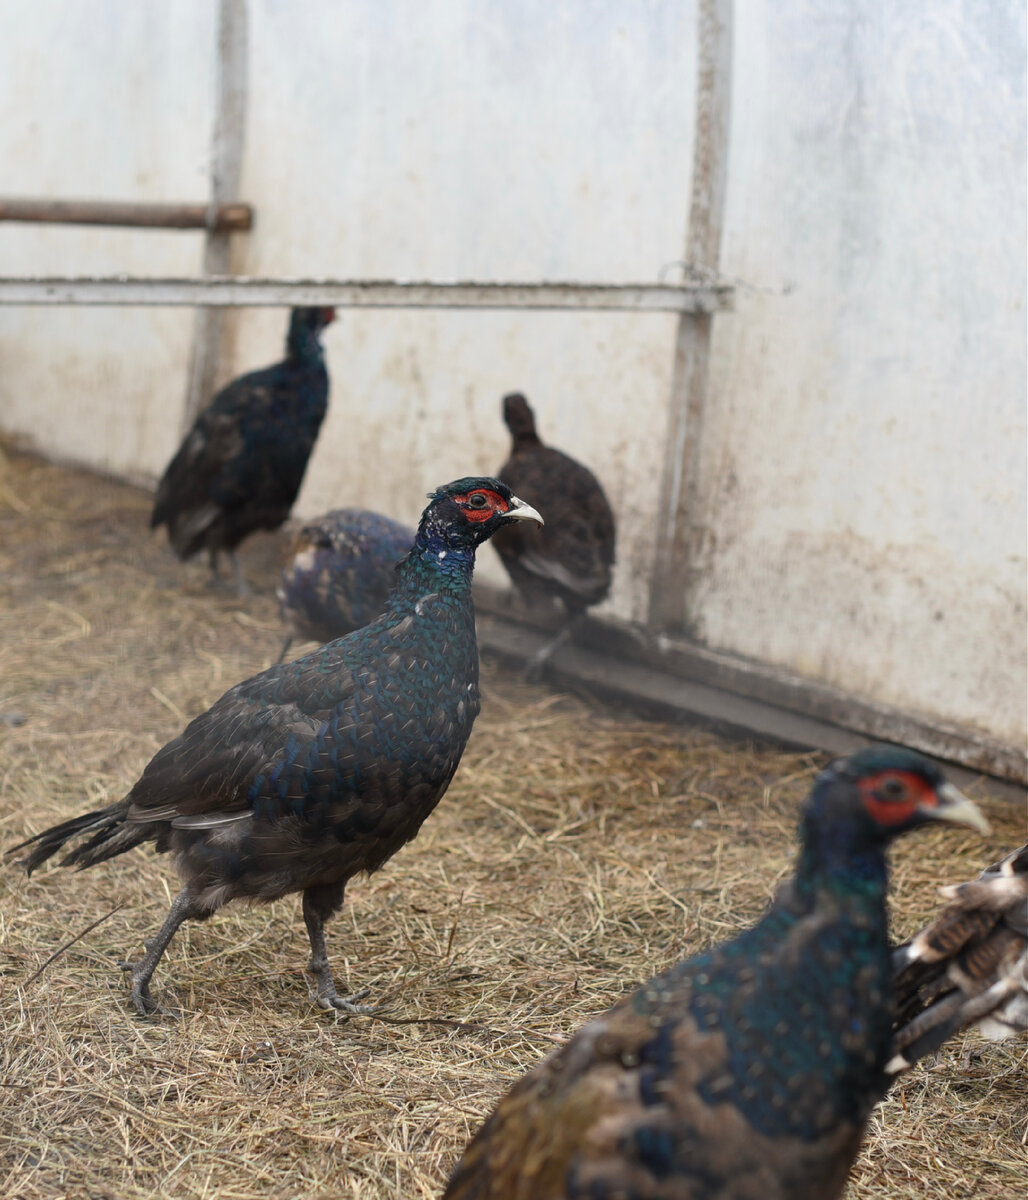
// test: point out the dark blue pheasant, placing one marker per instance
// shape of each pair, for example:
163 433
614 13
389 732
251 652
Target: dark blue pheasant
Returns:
341 569
241 465
315 770
749 1072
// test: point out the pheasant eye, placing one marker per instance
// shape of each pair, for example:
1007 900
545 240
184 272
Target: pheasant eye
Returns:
893 789
477 500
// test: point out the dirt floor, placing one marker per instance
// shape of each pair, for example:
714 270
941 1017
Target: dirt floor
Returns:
578 851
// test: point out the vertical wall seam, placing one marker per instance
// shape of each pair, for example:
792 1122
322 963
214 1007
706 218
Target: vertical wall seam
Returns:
226 165
678 534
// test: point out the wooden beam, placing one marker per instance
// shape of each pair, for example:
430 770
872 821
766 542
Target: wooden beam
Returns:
679 524
219 218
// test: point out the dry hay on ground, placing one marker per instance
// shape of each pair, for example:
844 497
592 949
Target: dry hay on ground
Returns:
578 851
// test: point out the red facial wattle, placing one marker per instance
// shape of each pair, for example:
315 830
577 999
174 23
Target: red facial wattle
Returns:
918 794
496 504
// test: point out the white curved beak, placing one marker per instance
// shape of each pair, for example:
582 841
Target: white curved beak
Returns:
954 806
520 511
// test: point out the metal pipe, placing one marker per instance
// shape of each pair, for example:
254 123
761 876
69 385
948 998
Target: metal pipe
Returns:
243 292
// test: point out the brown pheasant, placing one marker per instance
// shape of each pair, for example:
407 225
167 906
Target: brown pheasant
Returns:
573 564
969 966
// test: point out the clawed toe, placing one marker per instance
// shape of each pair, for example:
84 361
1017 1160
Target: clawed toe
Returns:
144 1004
346 1006
142 1001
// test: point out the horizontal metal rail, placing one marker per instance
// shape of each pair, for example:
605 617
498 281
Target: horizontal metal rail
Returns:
242 292
223 218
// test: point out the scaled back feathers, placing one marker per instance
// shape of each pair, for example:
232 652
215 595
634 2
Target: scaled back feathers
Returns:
745 1073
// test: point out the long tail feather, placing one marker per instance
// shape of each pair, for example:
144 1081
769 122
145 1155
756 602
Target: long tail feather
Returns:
103 823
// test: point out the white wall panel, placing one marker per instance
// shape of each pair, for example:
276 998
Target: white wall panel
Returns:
863 455
449 140
101 100
865 448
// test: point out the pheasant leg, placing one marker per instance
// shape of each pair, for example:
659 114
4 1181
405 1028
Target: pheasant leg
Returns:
141 972
319 903
534 666
242 587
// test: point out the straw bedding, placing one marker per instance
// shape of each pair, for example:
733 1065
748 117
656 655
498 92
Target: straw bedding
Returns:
579 850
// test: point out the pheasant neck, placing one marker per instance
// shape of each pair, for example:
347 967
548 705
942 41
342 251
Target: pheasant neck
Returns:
524 439
841 857
304 349
437 563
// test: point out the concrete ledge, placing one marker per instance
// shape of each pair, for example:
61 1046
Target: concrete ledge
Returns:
676 680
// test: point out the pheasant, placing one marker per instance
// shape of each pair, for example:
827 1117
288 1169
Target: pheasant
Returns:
969 966
748 1072
317 769
241 465
341 569
573 562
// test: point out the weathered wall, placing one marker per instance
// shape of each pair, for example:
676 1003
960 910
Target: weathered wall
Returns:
101 101
455 140
439 140
864 448
864 452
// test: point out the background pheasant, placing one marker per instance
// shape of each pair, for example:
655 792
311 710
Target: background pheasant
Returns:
315 770
341 568
969 966
241 465
748 1072
572 561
